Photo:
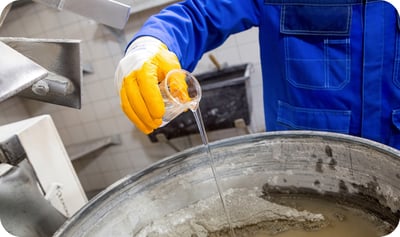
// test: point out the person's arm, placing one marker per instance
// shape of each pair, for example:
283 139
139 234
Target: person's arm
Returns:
176 37
193 27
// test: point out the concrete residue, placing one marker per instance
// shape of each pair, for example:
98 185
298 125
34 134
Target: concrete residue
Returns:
207 216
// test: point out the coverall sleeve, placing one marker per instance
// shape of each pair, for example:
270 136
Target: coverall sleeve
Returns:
193 27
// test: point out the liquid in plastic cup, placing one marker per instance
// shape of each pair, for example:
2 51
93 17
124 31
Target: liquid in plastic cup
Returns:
179 100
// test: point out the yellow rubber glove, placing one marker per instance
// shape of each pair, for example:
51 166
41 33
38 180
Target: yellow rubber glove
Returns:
145 64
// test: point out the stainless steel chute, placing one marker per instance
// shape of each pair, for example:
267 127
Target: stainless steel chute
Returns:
23 210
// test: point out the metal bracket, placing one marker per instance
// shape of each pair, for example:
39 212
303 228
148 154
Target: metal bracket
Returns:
60 59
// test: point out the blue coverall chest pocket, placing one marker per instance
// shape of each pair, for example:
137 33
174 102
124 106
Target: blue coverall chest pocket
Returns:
317 45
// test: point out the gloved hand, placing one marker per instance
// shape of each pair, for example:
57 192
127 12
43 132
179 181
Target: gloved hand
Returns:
146 63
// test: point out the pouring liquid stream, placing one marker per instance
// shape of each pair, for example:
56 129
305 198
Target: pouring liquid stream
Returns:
204 138
338 227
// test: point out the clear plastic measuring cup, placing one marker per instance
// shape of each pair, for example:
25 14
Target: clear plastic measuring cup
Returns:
180 91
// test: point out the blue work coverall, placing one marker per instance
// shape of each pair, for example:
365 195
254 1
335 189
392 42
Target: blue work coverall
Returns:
327 65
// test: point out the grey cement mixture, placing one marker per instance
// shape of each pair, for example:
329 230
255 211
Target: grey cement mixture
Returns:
246 209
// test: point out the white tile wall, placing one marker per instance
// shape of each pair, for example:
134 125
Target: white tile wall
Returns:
100 115
12 110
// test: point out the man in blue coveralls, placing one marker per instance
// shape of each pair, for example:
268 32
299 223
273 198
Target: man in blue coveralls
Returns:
328 65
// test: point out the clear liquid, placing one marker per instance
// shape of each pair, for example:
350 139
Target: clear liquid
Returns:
204 138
